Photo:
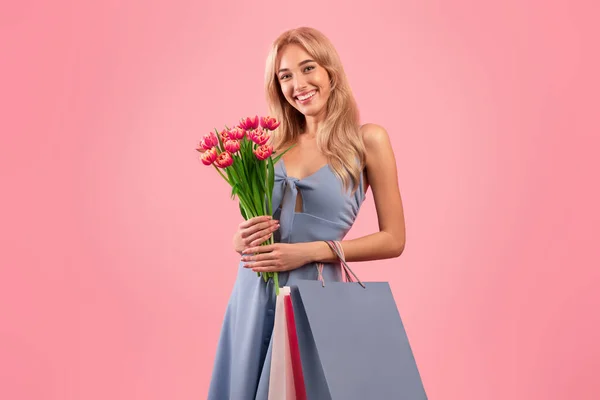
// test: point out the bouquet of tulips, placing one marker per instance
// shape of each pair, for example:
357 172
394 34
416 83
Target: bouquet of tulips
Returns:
243 157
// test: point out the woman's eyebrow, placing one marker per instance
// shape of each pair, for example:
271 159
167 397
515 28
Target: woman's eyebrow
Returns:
301 63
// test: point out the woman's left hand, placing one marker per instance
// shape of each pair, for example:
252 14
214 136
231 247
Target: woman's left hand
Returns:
277 257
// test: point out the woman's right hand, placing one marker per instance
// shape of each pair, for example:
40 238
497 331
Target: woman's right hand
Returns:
254 232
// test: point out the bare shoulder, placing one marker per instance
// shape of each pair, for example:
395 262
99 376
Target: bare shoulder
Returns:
377 142
372 133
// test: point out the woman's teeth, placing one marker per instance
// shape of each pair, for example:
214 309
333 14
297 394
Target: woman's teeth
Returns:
308 96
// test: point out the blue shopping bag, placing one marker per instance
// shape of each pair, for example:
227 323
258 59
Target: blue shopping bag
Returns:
352 342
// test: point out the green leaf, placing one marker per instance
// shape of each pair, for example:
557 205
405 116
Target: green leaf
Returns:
247 205
262 175
247 155
223 176
257 199
269 184
277 157
231 176
243 212
233 169
219 139
235 189
270 175
242 194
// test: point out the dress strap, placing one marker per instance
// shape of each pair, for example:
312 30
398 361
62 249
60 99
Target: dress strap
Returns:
336 247
288 206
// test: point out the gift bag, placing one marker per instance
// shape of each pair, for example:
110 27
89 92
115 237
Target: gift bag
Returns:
296 362
281 378
352 342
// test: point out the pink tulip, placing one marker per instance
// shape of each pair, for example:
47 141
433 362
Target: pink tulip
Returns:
269 123
224 135
259 136
224 160
232 146
237 133
263 152
209 156
249 123
208 141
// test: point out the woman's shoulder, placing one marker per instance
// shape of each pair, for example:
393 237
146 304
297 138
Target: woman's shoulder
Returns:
375 137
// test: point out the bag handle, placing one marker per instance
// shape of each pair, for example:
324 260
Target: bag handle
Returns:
336 247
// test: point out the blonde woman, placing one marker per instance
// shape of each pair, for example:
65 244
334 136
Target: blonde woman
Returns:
320 186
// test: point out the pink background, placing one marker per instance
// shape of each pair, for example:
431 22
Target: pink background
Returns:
116 259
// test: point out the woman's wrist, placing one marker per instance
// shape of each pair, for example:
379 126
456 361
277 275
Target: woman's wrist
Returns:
320 252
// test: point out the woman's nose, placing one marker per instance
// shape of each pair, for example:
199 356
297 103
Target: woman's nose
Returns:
299 84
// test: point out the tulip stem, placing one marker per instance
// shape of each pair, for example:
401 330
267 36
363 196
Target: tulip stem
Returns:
222 175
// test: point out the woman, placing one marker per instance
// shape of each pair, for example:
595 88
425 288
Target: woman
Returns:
320 185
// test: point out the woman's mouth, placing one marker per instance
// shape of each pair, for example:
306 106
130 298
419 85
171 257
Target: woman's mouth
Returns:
307 97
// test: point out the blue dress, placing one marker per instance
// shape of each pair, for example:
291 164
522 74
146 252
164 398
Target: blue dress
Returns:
243 358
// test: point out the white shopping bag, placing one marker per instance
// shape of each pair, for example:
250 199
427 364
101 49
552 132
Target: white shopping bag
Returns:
281 379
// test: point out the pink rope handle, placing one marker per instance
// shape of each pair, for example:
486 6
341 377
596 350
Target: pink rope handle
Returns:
336 246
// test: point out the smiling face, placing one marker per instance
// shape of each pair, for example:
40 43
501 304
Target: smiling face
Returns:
304 83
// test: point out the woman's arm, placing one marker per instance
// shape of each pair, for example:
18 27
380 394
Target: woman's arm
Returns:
383 179
387 243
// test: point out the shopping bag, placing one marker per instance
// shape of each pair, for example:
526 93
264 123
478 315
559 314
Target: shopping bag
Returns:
281 379
296 363
352 342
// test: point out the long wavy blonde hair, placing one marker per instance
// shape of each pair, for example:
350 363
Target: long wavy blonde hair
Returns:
338 137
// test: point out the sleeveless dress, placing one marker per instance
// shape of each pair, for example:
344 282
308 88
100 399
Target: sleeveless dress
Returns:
243 359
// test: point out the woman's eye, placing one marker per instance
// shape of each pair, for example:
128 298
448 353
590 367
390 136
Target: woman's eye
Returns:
309 68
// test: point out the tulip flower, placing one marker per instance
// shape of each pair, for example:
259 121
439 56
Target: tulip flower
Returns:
232 146
208 141
237 133
209 156
269 123
224 160
263 152
249 123
224 134
259 136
